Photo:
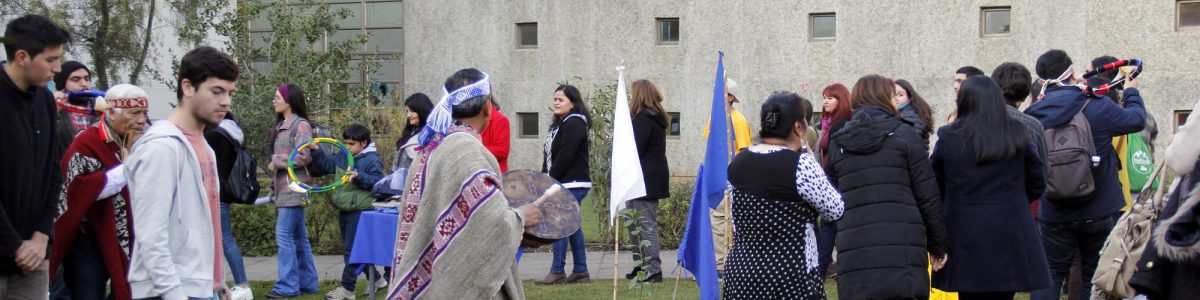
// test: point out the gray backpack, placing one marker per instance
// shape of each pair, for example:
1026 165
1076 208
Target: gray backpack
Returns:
1071 151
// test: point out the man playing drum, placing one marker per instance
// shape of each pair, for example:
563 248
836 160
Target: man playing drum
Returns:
457 237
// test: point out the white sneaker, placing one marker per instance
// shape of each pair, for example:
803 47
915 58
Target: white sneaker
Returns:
241 293
381 284
340 293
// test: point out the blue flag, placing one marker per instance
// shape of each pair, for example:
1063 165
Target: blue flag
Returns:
696 249
716 154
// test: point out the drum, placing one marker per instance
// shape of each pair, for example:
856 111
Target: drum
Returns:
560 212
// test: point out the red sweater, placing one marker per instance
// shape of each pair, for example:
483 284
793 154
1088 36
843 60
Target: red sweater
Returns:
496 138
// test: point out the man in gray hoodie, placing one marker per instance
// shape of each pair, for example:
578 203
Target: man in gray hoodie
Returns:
173 182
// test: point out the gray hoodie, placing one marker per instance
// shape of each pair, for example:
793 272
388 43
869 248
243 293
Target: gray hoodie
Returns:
173 249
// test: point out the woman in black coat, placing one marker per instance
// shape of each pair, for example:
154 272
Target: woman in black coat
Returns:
650 123
989 173
893 212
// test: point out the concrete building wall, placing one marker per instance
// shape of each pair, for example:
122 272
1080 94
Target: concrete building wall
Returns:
768 48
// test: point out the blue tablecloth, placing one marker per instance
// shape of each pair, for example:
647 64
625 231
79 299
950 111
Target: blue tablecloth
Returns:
375 239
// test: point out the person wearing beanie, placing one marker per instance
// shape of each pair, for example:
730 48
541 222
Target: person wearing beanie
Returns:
75 114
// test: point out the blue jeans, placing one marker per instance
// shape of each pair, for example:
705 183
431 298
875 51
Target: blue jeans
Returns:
825 242
85 275
297 273
578 247
348 226
1062 241
229 246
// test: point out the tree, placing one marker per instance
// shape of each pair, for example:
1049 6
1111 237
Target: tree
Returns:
115 33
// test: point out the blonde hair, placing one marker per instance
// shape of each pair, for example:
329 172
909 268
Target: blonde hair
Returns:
646 96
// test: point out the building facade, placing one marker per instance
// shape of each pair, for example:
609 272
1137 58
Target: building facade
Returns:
528 46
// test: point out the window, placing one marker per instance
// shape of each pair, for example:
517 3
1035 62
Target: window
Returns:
527 35
1188 15
1181 117
668 31
822 26
674 124
529 124
995 21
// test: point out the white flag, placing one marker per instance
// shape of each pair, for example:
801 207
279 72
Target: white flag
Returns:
627 181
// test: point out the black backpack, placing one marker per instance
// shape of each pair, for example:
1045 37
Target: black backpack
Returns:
242 181
1071 152
316 170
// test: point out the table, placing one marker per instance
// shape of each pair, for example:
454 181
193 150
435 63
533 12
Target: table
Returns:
374 243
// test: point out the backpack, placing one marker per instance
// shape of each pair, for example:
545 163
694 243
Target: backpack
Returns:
1071 151
328 149
242 181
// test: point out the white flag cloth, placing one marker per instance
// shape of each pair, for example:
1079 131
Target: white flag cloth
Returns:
627 181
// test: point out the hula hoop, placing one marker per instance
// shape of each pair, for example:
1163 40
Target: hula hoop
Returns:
1133 62
317 189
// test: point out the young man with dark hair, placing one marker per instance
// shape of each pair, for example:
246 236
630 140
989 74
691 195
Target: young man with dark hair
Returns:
1080 225
173 183
30 180
1014 80
962 74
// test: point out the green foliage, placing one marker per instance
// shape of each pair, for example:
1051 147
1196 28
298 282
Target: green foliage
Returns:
116 34
601 105
631 218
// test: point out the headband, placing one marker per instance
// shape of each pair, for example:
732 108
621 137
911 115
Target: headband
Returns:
1046 82
440 119
283 92
139 102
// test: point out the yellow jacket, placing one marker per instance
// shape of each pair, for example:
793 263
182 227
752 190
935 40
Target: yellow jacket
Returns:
741 130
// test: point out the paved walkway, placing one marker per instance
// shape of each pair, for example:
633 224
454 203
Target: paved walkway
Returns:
534 265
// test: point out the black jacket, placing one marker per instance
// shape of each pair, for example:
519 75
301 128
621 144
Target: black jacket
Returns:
226 150
568 157
993 240
893 209
650 133
30 179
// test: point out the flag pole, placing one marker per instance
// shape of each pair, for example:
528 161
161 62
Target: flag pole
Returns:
616 256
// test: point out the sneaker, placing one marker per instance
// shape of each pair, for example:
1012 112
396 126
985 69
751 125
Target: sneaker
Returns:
381 284
340 293
241 293
272 294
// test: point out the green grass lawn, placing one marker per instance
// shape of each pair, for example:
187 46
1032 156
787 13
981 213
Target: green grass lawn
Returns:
598 289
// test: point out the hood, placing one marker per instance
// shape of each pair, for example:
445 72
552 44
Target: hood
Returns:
653 115
370 150
1178 237
1059 106
867 129
160 130
233 130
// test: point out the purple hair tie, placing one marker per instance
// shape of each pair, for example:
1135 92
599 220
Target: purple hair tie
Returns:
284 92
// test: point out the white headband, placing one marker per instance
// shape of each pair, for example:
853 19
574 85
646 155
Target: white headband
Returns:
441 118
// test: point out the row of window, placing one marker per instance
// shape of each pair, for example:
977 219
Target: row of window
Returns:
528 125
994 21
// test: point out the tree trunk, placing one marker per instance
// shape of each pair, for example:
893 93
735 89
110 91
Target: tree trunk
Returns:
99 53
137 67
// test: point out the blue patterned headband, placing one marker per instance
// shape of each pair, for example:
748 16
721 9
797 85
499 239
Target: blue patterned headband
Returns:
440 119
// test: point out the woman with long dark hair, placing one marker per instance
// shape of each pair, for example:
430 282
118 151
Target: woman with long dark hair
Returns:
913 109
565 158
417 107
297 273
650 121
893 211
779 191
988 174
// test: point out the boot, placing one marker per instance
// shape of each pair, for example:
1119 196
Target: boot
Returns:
552 278
578 278
633 274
